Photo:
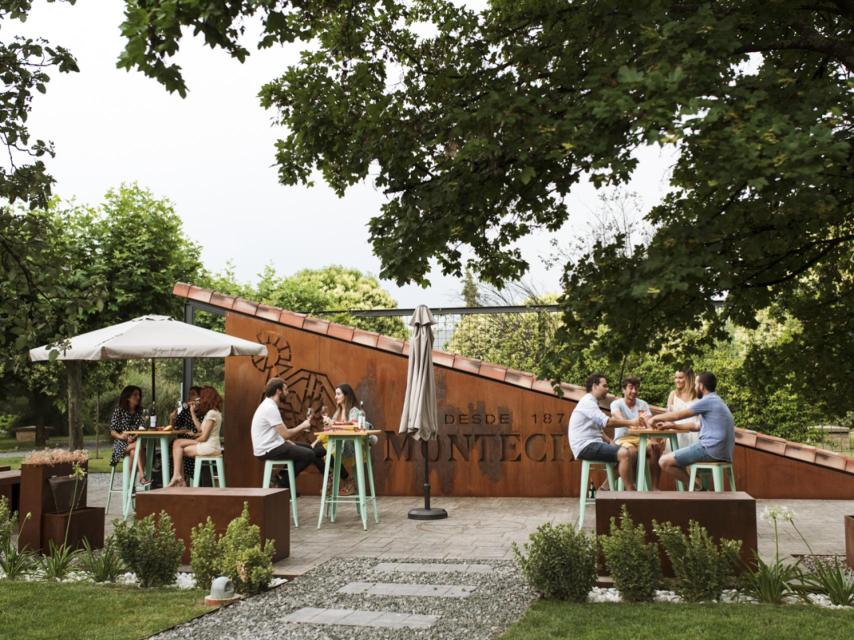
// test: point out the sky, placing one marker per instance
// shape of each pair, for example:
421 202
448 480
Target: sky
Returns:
212 155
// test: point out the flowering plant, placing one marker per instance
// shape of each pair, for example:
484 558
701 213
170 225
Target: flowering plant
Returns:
46 457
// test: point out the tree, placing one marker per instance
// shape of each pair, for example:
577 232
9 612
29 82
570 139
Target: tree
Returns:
470 294
484 124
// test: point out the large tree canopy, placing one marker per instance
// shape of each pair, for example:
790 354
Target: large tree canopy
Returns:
477 124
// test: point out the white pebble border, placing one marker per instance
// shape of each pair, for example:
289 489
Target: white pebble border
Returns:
182 581
610 594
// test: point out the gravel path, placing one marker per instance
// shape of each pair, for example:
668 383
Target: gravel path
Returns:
500 597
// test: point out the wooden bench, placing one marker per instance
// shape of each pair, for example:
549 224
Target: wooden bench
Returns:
10 486
189 506
725 515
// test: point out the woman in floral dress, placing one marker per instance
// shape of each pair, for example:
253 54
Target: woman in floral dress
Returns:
127 416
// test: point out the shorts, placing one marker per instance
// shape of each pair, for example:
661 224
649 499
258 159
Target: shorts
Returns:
599 452
629 441
693 453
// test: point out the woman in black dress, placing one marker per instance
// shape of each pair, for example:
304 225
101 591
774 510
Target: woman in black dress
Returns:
127 416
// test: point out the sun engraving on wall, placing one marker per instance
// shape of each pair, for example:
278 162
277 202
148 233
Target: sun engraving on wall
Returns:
305 388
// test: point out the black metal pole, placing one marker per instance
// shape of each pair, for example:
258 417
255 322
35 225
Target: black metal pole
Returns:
187 378
153 394
427 513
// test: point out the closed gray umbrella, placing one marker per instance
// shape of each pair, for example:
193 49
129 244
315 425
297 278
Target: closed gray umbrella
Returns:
419 404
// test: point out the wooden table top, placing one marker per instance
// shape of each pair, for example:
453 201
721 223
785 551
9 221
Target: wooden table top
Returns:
654 432
157 432
347 432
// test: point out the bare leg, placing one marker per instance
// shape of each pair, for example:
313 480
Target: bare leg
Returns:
178 459
655 471
669 466
140 465
626 466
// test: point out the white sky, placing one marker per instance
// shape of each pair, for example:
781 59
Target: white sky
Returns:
212 155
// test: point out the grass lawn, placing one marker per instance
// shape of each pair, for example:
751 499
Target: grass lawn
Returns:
679 621
48 610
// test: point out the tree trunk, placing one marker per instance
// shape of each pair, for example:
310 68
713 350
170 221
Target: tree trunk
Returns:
37 403
75 392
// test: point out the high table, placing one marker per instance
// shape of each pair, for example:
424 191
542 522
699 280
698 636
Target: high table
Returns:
644 436
165 458
335 448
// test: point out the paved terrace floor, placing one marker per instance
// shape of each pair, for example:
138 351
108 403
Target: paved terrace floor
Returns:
486 528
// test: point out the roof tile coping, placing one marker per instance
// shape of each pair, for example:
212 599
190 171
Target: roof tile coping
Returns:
744 437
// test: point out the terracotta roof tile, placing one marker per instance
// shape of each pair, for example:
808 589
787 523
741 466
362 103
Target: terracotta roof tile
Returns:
268 313
830 459
469 365
492 371
197 293
222 300
771 444
390 344
181 289
849 465
245 306
316 325
800 452
405 351
745 438
443 359
367 338
519 378
292 319
340 331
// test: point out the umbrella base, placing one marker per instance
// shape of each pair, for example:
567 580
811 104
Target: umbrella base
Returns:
427 514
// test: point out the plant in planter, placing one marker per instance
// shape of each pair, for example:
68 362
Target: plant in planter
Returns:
15 562
559 562
771 582
105 565
150 549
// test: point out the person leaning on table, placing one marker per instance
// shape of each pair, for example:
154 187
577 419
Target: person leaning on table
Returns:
271 438
586 439
717 430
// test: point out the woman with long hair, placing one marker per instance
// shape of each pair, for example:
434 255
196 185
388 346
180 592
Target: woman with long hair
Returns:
681 398
206 442
127 416
347 409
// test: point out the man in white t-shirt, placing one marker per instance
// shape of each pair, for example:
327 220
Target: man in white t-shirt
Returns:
271 438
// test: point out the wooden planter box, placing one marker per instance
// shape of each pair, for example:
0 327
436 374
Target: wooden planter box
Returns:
849 540
86 523
37 499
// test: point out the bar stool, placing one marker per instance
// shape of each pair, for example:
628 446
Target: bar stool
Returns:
125 480
292 482
717 470
217 477
586 465
363 466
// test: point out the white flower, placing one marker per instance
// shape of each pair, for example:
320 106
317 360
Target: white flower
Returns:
778 513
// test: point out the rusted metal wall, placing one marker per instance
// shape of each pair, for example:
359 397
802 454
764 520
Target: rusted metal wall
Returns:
496 439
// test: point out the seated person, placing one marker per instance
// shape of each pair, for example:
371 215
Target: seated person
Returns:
717 430
586 439
347 409
206 442
182 420
271 439
631 407
128 416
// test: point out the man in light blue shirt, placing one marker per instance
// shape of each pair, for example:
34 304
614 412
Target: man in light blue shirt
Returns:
717 430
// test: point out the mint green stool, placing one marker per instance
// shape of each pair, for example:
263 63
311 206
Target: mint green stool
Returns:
292 481
125 485
586 465
363 467
212 461
717 470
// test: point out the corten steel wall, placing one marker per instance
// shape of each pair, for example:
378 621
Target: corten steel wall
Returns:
495 439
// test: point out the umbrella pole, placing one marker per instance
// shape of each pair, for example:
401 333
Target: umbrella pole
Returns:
153 398
427 513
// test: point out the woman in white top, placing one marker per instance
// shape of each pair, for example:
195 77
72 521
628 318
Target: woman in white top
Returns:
681 398
206 442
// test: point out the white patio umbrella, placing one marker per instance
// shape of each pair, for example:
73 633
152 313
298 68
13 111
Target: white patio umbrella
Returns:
419 417
149 337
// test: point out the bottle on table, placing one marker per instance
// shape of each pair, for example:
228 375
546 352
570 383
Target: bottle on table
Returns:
152 416
362 415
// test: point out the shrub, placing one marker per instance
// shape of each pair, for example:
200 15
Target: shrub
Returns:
560 562
150 549
205 554
8 522
702 568
243 559
103 566
633 563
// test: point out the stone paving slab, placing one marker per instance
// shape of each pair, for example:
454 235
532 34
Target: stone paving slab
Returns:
419 567
360 618
403 589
